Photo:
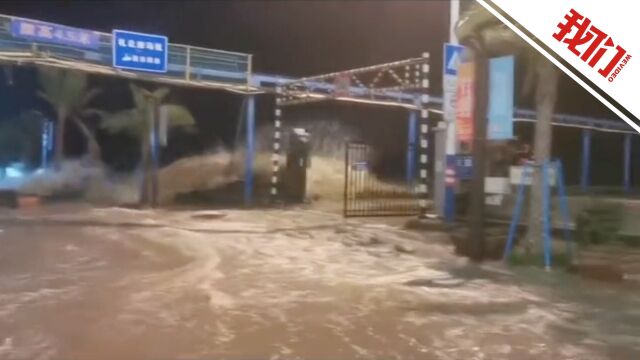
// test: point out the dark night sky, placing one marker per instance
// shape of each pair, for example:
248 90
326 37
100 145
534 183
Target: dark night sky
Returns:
295 38
287 37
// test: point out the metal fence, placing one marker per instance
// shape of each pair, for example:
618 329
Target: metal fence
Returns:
367 195
188 65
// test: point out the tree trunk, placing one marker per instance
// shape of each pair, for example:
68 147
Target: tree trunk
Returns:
58 155
477 195
546 95
93 148
145 165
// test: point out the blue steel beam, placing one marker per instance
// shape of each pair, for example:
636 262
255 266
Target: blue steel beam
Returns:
209 68
268 82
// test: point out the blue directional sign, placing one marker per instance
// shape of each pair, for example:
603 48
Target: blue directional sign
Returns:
142 52
53 33
452 57
463 164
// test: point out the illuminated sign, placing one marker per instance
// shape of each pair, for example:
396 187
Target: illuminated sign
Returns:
142 52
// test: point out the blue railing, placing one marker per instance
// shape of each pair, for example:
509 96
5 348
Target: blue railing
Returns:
186 63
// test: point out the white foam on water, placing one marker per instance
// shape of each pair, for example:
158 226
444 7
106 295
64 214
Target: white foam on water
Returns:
12 302
291 274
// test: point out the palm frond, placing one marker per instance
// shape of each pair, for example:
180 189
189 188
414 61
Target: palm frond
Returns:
73 86
89 96
126 121
473 21
140 95
50 82
161 93
178 116
91 112
497 38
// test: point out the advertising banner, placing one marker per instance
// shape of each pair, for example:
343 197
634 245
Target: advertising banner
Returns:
465 105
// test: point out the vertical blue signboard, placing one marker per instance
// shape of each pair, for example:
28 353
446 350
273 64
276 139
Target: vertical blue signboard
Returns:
452 57
501 83
142 52
52 33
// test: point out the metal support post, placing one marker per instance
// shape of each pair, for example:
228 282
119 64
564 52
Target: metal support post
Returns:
517 212
250 150
155 152
627 162
277 135
411 148
586 159
424 136
546 216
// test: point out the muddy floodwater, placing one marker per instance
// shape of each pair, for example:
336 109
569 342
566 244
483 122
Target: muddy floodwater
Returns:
284 284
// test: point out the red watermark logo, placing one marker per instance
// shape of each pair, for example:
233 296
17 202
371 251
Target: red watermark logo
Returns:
597 43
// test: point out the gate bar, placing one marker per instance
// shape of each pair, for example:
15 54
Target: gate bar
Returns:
411 148
277 135
424 134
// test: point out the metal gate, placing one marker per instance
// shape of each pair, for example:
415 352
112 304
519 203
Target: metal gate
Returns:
367 195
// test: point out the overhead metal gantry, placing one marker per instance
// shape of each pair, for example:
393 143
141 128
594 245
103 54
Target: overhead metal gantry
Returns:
377 84
187 65
371 85
401 84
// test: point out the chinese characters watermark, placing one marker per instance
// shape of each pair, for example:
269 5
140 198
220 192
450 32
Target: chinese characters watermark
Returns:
597 42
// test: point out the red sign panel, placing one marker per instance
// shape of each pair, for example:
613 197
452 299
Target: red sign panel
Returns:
465 102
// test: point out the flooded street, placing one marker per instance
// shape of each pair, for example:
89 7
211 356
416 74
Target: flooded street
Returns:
284 284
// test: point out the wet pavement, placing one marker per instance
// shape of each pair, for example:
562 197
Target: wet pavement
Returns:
284 284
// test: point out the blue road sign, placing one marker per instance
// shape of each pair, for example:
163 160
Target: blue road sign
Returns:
452 57
142 52
57 34
462 164
501 92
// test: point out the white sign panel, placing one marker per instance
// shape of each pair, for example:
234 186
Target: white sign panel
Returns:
516 175
497 185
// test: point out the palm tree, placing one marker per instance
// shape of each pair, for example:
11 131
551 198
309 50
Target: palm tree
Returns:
139 123
66 91
20 138
497 40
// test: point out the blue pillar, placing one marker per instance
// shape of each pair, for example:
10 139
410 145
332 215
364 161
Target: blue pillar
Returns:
250 140
627 162
411 147
586 159
44 149
449 190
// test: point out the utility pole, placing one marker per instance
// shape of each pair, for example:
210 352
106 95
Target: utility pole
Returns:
454 15
445 194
